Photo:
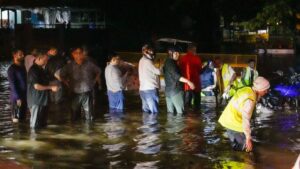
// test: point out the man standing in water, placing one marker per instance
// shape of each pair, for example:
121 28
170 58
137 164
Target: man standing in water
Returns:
191 65
55 63
80 75
114 83
237 114
149 81
174 81
37 91
17 84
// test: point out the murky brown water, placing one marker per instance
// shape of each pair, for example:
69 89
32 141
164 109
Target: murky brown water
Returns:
136 140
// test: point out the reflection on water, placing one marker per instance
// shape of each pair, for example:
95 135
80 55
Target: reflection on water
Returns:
145 141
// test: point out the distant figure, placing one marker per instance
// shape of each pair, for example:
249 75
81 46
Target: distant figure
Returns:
17 77
173 79
208 79
37 91
237 114
115 84
149 81
249 74
29 59
191 66
81 75
55 63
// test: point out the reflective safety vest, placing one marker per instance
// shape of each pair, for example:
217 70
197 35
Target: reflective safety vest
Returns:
246 79
231 117
226 76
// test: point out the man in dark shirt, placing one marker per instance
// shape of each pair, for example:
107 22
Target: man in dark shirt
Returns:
81 76
55 63
37 91
17 85
173 80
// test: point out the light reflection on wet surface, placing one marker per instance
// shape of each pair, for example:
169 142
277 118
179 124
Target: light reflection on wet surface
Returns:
141 141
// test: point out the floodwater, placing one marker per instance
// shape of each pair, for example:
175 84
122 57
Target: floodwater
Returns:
133 140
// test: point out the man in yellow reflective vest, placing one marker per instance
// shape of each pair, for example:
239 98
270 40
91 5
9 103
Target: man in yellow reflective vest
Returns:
249 74
237 114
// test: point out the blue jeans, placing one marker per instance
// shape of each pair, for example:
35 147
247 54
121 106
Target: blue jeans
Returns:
116 100
149 100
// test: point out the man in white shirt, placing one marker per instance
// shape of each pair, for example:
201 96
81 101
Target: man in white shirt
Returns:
114 83
149 81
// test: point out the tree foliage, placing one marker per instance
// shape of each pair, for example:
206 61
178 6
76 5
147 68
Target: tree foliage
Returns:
278 16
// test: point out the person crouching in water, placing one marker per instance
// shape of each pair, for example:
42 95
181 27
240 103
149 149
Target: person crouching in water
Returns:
114 83
174 79
237 114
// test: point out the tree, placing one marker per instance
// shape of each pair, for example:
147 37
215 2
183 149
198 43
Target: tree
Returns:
277 15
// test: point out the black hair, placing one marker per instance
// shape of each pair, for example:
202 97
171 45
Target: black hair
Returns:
76 47
191 45
251 60
15 50
111 55
40 53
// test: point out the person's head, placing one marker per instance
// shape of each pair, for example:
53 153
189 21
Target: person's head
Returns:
52 51
251 63
148 51
210 64
78 55
170 51
175 53
114 58
41 58
33 52
261 86
218 63
18 56
192 48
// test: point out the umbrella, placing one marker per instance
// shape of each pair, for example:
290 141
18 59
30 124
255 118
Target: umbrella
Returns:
174 41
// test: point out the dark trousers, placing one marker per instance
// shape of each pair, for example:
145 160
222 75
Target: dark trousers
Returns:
38 116
190 95
237 139
83 101
19 112
57 97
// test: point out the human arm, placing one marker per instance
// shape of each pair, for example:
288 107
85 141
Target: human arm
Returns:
247 111
151 67
41 87
184 80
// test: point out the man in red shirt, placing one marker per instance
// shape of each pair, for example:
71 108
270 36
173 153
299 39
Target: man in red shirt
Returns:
190 65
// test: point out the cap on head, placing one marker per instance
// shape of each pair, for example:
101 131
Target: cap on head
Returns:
261 84
146 47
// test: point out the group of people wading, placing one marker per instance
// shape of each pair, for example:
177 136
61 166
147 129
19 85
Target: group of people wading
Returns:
43 76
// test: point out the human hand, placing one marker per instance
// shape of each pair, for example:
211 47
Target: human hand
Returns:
248 145
54 88
19 102
191 85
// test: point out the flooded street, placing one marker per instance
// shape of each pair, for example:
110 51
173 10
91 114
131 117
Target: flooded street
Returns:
136 140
